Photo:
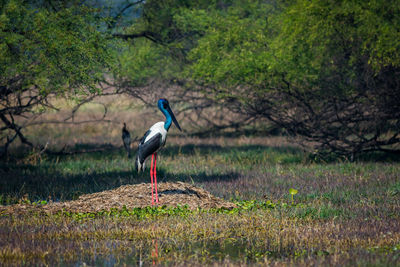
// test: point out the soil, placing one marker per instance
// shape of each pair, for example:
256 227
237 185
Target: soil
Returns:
131 196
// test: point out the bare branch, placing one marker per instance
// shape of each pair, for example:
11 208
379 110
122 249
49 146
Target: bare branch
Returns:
114 20
145 34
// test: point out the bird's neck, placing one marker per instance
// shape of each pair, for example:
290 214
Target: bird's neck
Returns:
168 121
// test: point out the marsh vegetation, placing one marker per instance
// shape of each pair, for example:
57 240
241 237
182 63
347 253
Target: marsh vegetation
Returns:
343 214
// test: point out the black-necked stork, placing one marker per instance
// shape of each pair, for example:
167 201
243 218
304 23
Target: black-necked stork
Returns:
126 138
152 141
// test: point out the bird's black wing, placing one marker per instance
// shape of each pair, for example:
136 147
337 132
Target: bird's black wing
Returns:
149 147
141 142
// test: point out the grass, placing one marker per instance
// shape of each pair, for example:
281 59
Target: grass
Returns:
344 214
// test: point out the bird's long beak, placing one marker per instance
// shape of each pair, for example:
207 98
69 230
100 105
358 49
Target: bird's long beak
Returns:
173 118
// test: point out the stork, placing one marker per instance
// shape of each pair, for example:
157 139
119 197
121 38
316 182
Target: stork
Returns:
126 138
152 141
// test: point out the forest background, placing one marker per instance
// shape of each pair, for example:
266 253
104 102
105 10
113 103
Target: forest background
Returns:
324 72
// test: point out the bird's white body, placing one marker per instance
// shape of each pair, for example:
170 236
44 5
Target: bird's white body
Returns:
155 129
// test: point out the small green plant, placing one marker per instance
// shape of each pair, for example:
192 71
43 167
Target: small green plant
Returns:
293 192
39 202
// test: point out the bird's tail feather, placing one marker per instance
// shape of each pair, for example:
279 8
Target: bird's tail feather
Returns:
139 166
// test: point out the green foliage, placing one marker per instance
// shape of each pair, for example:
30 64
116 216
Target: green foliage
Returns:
252 42
139 213
160 211
319 38
171 29
145 61
52 51
292 193
303 64
233 50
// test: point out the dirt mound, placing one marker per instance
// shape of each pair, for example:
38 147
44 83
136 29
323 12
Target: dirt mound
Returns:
132 196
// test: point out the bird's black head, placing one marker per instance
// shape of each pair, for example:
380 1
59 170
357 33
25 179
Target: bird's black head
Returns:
163 105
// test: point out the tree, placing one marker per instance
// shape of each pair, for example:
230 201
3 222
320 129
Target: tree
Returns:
49 48
325 71
153 61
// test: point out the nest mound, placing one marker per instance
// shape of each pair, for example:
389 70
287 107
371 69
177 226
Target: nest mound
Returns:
132 196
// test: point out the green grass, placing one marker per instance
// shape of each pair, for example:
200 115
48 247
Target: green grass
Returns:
344 214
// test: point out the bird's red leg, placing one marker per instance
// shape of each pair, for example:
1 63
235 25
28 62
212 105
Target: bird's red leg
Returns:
151 177
155 175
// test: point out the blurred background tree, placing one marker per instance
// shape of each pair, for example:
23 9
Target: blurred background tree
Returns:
326 72
47 48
